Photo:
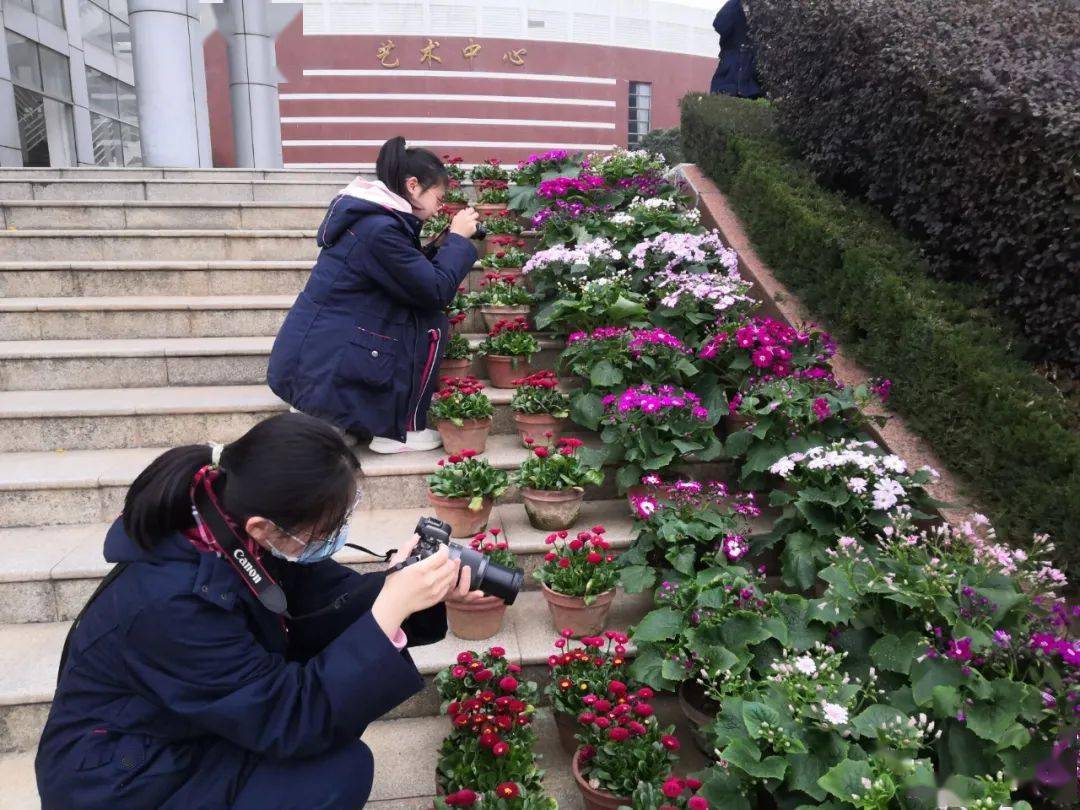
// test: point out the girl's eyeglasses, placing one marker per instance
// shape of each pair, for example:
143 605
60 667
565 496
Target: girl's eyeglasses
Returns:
318 544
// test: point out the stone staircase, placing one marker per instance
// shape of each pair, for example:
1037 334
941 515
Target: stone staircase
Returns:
137 311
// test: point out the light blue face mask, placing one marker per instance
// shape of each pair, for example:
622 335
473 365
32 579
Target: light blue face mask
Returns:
318 550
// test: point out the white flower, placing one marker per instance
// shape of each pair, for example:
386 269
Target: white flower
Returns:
834 713
886 493
857 485
894 464
805 664
783 467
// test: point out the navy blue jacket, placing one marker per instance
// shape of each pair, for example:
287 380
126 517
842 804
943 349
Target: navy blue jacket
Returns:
734 75
364 340
178 682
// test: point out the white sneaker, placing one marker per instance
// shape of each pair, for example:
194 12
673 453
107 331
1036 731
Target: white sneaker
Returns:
415 441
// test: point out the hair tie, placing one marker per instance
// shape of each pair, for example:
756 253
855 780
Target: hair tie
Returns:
215 454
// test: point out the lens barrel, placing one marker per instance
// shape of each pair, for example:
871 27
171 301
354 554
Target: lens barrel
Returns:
490 578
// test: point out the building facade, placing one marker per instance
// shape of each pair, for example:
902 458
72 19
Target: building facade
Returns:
323 83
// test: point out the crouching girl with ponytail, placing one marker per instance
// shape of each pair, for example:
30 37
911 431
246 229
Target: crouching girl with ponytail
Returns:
362 344
227 661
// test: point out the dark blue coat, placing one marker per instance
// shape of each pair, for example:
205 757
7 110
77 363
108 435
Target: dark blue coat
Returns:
179 683
734 75
363 342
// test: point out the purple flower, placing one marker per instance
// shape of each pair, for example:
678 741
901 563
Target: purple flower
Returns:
821 409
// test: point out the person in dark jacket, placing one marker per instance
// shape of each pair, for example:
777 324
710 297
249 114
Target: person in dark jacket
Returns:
182 687
362 345
734 75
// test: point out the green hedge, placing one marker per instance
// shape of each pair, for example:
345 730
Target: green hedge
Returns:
1003 429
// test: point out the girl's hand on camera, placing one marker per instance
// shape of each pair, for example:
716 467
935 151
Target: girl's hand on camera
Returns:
465 223
415 588
462 593
403 553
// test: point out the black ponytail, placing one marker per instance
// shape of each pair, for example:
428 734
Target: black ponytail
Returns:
293 469
396 164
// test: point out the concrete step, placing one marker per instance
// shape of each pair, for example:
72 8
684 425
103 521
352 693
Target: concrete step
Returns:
146 173
104 418
48 572
36 279
198 190
140 214
126 245
29 365
30 656
117 317
88 486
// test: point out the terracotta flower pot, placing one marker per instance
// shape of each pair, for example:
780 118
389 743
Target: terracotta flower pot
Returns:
487 209
493 315
567 726
454 208
453 368
552 510
503 369
700 711
594 798
473 621
463 521
471 435
536 426
572 612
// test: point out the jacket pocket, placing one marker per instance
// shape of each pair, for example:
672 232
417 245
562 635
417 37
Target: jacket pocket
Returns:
368 359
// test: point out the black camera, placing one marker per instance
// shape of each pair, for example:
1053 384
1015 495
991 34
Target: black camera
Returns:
490 578
481 232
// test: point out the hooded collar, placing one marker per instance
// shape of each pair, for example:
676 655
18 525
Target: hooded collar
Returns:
363 198
375 191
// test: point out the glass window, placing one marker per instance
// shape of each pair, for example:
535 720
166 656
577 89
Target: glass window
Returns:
95 25
119 8
27 4
30 111
23 59
51 10
639 114
60 127
132 145
121 35
128 108
56 73
101 90
108 147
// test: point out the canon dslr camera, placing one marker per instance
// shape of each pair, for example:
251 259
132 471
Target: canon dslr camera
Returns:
490 578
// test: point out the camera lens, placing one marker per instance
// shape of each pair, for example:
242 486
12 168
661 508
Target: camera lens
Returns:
490 578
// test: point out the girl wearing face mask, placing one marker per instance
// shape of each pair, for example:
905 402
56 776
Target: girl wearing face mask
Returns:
179 688
362 344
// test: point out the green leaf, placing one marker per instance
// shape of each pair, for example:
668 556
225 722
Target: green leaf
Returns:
757 714
647 668
989 719
946 700
722 789
737 443
824 750
931 672
835 496
869 720
744 755
896 654
660 624
587 410
685 560
798 560
625 309
605 375
626 477
637 578
846 779
821 519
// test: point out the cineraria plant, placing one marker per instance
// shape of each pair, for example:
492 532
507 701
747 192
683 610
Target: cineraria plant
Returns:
643 219
462 399
546 165
742 350
549 269
564 221
501 290
582 567
622 164
510 338
495 549
684 253
507 253
623 743
538 394
790 414
650 427
591 303
690 525
465 476
593 668
503 223
845 488
690 303
556 469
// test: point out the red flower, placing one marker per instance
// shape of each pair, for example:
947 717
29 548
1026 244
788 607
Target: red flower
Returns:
563 534
617 688
645 693
455 459
585 718
513 668
508 790
501 546
550 539
598 529
497 652
488 739
636 727
541 452
483 675
500 749
508 683
693 784
602 722
529 440
587 752
594 557
564 562
698 803
458 672
461 720
504 722
468 453
619 734
576 545
602 705
672 788
670 743
643 710
487 696
463 798
551 555
495 532
566 632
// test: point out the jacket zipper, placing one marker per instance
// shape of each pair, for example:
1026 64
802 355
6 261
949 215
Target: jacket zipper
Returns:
434 338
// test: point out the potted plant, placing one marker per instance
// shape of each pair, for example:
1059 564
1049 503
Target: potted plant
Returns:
500 226
540 410
594 668
458 312
458 358
505 254
434 225
463 490
501 298
675 793
474 672
552 482
585 304
578 579
548 270
508 349
645 218
483 618
462 414
455 199
649 427
492 184
621 748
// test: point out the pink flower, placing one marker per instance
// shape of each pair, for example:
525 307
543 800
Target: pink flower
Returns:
564 562
698 803
821 409
500 749
619 734
508 683
617 688
458 672
672 788
594 558
670 743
